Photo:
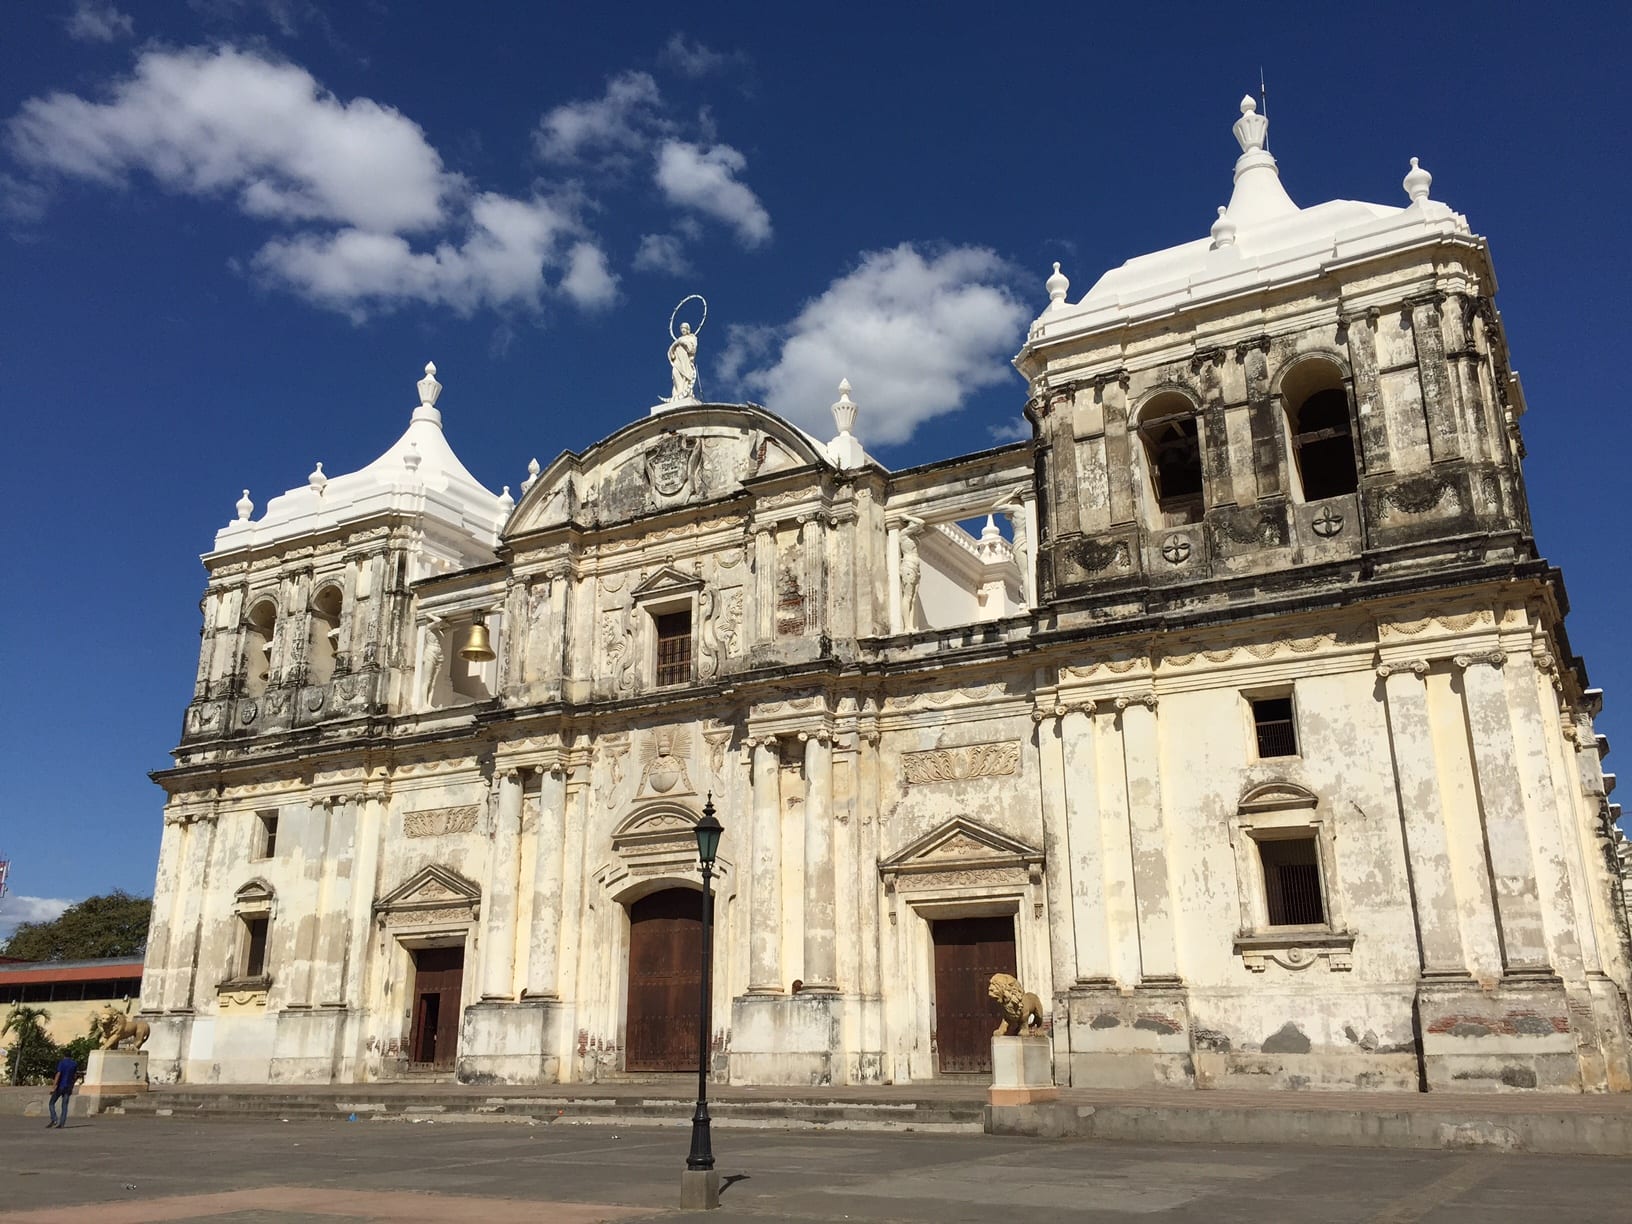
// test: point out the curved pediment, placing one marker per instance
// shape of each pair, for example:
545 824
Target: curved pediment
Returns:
676 458
1274 796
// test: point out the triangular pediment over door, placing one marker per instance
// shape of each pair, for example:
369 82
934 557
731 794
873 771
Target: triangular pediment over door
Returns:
434 895
963 859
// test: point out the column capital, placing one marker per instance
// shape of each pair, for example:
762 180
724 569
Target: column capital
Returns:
1493 658
1417 667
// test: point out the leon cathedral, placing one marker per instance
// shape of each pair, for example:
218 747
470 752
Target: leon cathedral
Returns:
1232 712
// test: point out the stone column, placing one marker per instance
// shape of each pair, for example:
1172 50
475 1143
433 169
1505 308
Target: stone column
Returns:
167 893
1368 400
338 884
513 637
870 917
1090 921
821 956
1427 855
1115 847
499 891
1444 439
1147 828
1501 799
1119 453
364 887
813 543
892 566
1058 861
765 583
765 882
312 845
198 841
544 943
1268 460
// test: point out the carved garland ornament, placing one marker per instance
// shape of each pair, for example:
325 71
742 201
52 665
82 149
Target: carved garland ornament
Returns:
962 764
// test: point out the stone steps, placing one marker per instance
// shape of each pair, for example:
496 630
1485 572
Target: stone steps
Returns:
622 1109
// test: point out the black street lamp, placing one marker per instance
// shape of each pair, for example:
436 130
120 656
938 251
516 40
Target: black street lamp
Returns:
700 1184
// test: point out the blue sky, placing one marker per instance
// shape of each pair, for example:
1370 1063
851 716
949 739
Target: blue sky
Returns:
233 231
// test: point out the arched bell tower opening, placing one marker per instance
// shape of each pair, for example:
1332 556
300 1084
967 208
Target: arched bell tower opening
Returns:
664 1010
1318 419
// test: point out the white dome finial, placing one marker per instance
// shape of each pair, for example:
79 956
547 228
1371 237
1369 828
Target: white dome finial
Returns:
1058 286
1223 230
317 480
532 476
844 409
245 507
429 388
1417 182
411 457
1251 129
506 502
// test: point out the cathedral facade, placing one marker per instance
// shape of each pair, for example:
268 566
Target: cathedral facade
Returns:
1232 712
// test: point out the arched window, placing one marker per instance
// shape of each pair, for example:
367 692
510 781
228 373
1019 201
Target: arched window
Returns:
259 635
1317 417
1172 439
323 636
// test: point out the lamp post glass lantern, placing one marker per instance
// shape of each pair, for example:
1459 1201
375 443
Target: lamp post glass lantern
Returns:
708 846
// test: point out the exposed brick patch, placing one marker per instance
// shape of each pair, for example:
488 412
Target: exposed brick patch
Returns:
1510 1024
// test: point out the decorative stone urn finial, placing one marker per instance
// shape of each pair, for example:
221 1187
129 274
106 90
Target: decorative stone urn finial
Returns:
1251 129
1223 230
317 480
844 408
532 476
506 502
411 457
1058 286
1417 182
429 388
245 507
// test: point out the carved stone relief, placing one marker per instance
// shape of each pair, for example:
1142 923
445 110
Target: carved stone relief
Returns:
961 764
439 822
663 764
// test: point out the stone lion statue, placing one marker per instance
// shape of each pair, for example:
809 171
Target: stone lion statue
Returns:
118 1028
1022 1010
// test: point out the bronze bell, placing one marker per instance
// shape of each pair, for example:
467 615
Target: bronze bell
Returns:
477 648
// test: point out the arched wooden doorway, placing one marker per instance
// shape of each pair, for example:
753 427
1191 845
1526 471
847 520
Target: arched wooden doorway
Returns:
665 977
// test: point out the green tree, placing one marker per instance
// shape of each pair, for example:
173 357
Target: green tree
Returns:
31 1055
97 927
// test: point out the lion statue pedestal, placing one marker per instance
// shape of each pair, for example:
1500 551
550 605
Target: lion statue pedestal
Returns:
1022 1054
113 1073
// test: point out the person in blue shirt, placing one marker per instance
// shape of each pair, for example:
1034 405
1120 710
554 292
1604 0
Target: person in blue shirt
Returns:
62 1089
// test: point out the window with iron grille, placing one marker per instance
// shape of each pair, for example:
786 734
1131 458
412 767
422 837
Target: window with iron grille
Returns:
1272 718
673 648
1292 882
255 946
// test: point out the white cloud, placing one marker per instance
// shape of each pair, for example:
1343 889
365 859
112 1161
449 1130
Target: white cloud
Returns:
351 181
508 248
229 121
609 129
588 281
915 335
99 22
705 180
662 253
15 910
695 59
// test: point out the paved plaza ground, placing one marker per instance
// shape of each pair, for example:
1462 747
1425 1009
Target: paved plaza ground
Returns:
122 1170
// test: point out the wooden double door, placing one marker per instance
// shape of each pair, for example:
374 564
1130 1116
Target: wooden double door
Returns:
439 975
967 952
665 981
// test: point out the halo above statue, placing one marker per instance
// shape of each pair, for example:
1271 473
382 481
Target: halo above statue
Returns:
695 297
